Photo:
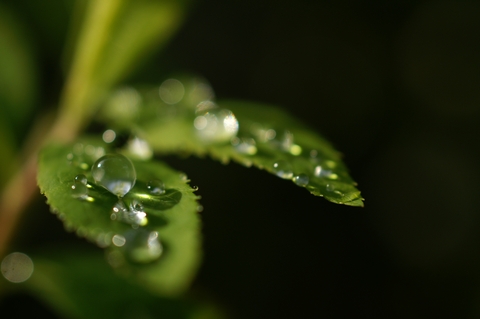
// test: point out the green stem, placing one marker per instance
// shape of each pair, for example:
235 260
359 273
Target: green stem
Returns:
80 92
76 107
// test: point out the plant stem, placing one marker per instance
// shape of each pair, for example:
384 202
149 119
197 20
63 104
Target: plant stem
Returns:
76 107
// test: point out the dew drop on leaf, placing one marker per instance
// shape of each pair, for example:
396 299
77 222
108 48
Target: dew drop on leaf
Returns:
244 145
156 187
115 173
216 126
301 180
283 169
81 179
79 190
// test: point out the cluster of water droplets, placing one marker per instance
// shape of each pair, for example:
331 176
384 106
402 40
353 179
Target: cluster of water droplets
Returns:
116 174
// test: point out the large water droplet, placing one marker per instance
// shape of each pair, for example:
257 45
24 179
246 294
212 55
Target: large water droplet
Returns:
142 246
156 187
301 180
283 169
216 126
115 173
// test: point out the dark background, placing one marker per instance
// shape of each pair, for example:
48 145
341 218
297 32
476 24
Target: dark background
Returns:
395 85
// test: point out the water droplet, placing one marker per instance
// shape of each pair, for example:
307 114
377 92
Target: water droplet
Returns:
118 240
171 91
199 208
283 169
244 145
134 215
115 173
301 180
183 177
216 126
319 171
17 267
142 246
109 136
139 149
81 179
332 189
195 188
156 187
79 190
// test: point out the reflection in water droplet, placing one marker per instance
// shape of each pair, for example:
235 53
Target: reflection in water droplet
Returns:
139 149
134 215
118 240
81 179
115 173
244 145
156 187
109 136
195 188
17 267
217 126
301 180
171 91
142 246
283 169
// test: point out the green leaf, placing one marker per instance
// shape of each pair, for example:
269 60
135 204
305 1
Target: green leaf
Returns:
268 138
173 215
79 284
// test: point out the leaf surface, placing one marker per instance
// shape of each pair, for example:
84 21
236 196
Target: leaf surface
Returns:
268 138
172 216
81 285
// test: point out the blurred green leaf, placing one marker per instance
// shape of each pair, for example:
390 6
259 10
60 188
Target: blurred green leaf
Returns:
81 285
141 27
18 72
173 215
268 138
